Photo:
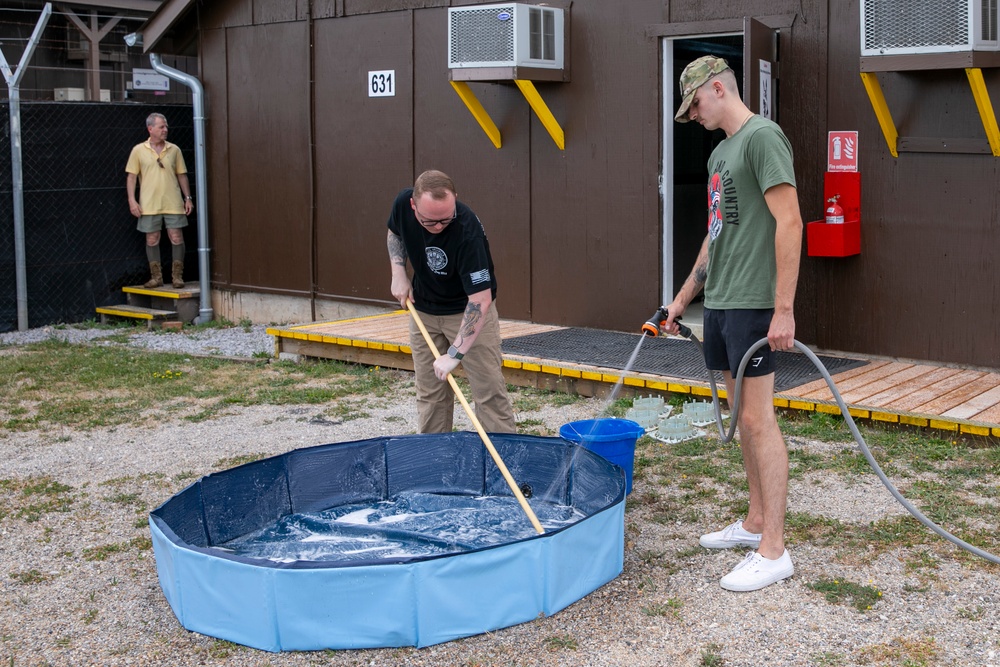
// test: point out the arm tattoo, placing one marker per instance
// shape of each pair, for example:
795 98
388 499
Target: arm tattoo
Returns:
700 273
473 313
397 252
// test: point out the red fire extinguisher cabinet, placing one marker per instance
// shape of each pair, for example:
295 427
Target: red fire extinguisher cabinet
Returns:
838 240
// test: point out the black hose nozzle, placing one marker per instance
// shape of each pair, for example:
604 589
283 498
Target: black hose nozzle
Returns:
652 326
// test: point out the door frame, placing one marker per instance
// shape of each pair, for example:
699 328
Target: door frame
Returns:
667 34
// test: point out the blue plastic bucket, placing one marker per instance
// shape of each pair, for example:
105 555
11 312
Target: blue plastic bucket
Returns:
613 439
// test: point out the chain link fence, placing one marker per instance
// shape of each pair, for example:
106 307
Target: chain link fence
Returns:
81 242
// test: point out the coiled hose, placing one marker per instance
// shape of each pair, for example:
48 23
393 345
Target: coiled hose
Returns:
858 438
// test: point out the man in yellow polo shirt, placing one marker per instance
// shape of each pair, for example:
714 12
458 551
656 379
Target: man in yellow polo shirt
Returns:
164 197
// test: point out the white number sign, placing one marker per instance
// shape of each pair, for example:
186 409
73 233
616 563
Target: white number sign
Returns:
382 83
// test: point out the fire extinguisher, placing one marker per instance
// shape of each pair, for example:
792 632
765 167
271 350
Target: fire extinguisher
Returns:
834 213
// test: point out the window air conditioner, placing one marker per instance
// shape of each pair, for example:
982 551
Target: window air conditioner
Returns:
507 35
902 27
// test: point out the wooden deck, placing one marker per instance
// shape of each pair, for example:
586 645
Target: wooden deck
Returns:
925 395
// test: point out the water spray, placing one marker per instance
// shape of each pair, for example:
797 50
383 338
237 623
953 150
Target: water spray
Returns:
654 327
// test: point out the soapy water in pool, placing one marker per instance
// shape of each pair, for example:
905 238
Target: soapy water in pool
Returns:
406 526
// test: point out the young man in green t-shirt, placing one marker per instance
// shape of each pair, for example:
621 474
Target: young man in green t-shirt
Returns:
748 267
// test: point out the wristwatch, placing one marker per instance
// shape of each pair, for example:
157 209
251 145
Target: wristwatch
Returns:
454 353
189 198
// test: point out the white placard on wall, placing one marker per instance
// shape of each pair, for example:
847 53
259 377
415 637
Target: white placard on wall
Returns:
766 97
382 83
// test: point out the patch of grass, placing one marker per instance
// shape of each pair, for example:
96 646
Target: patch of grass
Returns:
124 499
976 614
902 651
840 591
710 656
28 577
671 607
815 426
221 648
922 560
233 461
55 383
31 498
559 642
103 552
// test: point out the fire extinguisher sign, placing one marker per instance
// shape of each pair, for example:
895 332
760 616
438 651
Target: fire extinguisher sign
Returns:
842 151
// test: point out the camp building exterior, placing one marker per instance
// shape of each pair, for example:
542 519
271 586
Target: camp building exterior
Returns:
320 111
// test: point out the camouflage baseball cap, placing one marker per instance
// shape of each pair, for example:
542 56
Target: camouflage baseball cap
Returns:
694 76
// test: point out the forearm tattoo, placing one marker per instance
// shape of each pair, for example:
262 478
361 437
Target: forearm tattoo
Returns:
700 273
473 313
397 252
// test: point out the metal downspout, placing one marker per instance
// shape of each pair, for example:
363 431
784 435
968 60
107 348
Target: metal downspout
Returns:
205 313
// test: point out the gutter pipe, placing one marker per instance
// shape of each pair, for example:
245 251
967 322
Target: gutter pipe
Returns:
205 313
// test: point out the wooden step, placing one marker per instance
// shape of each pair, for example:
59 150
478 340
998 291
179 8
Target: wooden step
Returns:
189 291
153 317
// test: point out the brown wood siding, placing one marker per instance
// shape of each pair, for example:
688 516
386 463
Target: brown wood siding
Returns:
495 183
596 234
576 233
214 80
269 165
924 286
363 149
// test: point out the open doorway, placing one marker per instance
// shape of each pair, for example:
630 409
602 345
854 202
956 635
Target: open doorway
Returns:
686 148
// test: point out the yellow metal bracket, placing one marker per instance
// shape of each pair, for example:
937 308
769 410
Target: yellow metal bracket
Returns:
478 112
535 100
985 107
979 92
541 110
885 121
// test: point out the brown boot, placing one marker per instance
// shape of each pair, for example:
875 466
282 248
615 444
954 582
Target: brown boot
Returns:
156 275
177 269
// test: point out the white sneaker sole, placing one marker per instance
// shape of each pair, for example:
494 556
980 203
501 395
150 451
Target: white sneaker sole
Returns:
757 584
729 544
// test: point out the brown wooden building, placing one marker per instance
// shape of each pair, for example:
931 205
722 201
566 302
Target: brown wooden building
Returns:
304 162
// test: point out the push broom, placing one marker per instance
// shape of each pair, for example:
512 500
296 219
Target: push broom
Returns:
479 427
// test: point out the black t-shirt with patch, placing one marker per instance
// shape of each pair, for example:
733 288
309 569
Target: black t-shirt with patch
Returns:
447 266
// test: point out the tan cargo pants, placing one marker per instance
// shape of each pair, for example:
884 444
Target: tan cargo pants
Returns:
482 365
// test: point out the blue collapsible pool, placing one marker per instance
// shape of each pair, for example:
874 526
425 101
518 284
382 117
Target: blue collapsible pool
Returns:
363 544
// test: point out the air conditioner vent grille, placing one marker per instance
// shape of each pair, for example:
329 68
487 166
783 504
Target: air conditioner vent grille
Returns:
488 35
915 24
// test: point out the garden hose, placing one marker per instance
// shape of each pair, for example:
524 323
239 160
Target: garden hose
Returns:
858 438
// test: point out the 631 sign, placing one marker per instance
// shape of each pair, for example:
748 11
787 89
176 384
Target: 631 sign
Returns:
382 83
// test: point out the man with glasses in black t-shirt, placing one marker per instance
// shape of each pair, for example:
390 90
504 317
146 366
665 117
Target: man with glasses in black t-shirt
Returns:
454 289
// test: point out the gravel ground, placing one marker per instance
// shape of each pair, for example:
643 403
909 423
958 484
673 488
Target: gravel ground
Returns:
60 607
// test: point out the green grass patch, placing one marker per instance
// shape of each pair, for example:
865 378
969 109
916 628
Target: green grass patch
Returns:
560 642
840 591
28 577
105 551
55 383
32 498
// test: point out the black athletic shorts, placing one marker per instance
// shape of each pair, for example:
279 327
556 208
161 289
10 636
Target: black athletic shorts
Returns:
728 336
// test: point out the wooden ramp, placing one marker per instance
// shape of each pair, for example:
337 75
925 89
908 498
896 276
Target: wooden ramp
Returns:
938 397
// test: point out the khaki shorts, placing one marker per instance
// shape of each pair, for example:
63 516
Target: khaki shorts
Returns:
154 223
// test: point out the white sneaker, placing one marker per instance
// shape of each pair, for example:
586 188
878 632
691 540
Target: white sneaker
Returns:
731 536
756 572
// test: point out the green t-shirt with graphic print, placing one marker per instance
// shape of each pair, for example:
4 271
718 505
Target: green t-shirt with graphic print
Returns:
742 271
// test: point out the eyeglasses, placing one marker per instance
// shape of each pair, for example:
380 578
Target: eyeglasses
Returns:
160 163
431 223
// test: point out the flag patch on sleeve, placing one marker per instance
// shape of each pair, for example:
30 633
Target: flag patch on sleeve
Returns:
480 276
